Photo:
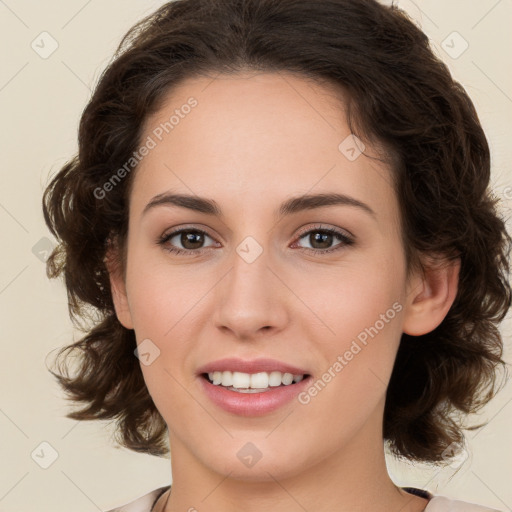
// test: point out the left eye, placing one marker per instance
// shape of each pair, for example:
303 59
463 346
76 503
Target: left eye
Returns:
324 237
192 239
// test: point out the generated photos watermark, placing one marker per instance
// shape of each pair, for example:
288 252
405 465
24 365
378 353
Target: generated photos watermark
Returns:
150 143
355 348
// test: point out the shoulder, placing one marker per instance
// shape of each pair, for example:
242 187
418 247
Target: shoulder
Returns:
436 504
143 503
444 504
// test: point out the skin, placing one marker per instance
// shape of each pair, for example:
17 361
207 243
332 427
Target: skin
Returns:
253 141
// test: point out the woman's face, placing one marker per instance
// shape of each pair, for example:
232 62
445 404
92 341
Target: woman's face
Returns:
260 279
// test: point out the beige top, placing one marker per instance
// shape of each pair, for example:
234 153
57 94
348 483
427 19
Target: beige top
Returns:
436 504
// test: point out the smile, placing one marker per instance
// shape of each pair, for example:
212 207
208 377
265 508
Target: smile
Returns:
252 382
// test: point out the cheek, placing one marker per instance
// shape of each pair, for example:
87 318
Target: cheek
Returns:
161 301
353 298
361 328
358 365
159 295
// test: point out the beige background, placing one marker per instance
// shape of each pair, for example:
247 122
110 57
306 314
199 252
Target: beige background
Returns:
41 100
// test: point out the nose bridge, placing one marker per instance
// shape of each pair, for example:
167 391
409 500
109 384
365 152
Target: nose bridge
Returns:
250 269
249 297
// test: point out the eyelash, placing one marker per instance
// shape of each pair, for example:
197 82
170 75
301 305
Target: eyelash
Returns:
346 241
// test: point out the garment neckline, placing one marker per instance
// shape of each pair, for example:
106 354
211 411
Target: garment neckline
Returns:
163 490
422 493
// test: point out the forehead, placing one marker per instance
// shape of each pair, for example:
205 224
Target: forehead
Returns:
256 137
237 116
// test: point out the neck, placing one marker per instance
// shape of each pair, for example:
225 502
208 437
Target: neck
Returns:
353 479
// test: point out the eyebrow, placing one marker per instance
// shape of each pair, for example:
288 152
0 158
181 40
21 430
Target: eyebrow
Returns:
288 207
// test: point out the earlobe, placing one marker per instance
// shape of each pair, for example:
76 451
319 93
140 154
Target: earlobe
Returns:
430 297
118 289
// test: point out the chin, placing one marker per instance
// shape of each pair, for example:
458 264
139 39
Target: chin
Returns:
258 461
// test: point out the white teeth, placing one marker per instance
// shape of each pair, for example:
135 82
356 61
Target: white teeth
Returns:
287 379
227 379
261 380
275 379
241 380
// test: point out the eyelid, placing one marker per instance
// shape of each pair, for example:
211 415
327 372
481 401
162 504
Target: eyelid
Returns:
178 229
167 235
347 239
323 227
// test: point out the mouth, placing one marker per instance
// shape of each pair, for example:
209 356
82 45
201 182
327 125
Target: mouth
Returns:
252 388
261 382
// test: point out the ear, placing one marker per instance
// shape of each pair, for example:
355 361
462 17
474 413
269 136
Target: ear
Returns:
430 295
118 287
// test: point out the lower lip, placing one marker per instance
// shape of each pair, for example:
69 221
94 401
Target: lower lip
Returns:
252 404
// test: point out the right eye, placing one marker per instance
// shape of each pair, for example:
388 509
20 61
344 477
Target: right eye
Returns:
189 238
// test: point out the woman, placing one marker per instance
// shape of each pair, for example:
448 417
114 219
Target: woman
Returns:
280 211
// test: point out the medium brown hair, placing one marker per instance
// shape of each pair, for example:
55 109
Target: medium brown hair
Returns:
400 96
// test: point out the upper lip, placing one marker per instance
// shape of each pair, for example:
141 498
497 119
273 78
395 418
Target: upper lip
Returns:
253 366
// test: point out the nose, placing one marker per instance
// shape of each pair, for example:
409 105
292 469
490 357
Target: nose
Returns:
251 299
